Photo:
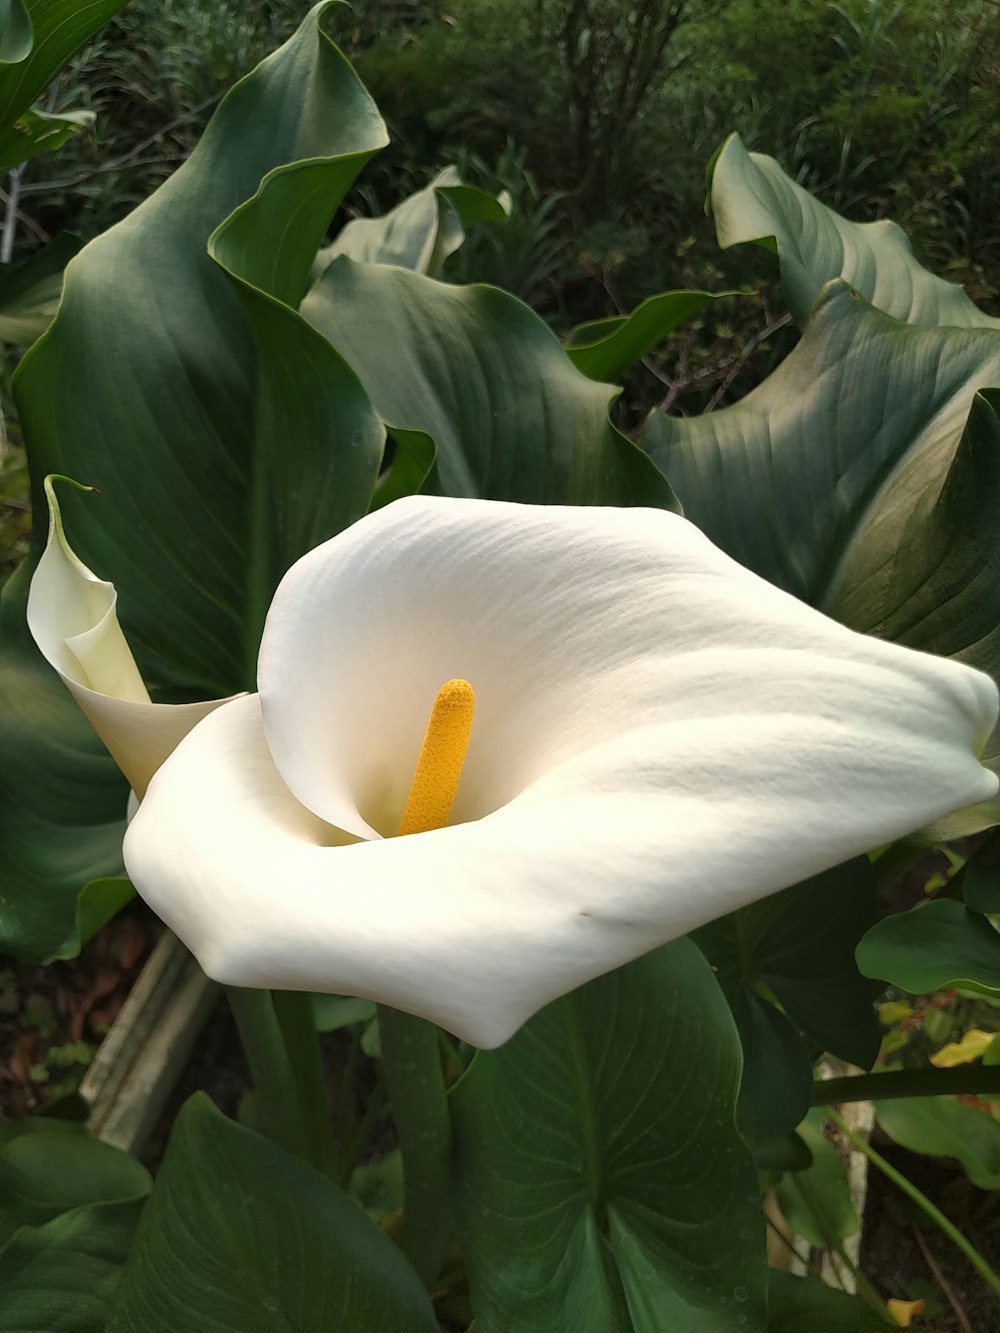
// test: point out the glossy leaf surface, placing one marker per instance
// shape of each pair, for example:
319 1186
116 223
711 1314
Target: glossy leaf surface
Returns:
754 200
939 945
601 1185
239 1236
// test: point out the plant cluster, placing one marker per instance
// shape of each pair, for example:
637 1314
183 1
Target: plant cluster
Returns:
568 768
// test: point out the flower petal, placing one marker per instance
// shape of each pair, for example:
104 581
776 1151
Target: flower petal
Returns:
573 626
774 745
73 619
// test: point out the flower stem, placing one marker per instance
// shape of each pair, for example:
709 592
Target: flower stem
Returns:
411 1061
977 1261
270 1067
282 1050
298 1029
895 1083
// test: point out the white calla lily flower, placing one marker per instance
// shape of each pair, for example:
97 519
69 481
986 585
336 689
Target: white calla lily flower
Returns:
72 616
660 737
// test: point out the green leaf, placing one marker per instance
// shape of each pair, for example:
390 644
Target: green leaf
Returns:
38 39
480 374
944 1127
805 1305
938 945
863 476
420 233
29 294
776 1087
332 1012
601 1185
15 32
753 200
605 348
797 947
378 1186
783 1152
42 132
414 455
61 1277
816 1202
239 1236
53 1171
981 880
228 438
62 800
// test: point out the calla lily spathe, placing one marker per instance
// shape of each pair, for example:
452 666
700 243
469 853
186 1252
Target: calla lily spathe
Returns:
660 737
72 616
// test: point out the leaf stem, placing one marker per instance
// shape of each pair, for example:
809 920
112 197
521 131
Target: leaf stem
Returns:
411 1061
977 1261
969 1080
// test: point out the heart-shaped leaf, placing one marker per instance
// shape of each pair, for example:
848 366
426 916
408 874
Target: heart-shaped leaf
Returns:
601 1184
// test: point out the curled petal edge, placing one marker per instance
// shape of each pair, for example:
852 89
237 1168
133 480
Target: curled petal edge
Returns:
72 616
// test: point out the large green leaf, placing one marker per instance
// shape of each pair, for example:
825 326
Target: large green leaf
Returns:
61 1277
227 437
68 1208
940 944
796 947
944 1127
601 1184
804 1305
863 476
62 799
55 1170
239 1236
753 200
481 374
38 37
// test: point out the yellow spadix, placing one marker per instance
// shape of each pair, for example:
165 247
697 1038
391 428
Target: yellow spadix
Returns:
442 757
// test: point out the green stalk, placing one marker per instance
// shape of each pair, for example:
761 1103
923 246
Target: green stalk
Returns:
832 1242
298 1030
277 1113
282 1050
411 1061
977 1261
969 1079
